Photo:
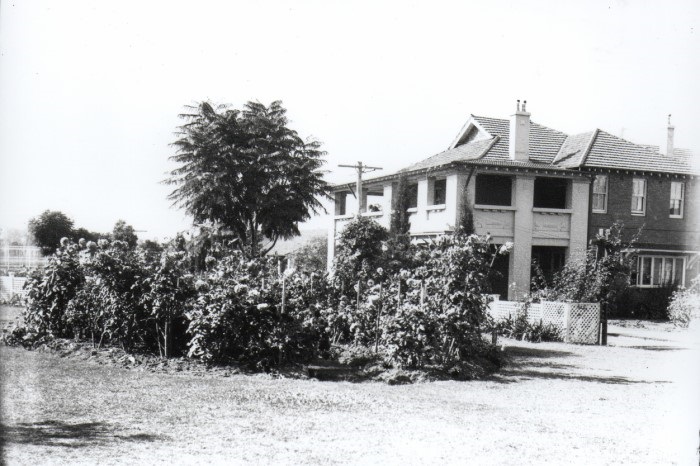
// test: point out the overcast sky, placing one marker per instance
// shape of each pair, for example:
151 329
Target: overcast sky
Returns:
90 91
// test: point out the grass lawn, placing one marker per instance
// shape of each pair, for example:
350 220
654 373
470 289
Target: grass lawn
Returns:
635 401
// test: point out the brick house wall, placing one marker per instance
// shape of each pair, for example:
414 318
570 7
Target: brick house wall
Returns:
659 231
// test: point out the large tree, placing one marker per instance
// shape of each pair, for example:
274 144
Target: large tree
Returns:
48 228
245 172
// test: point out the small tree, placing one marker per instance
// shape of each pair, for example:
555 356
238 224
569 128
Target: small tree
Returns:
245 171
359 252
124 232
48 228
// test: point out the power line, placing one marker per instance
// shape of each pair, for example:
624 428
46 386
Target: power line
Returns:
361 169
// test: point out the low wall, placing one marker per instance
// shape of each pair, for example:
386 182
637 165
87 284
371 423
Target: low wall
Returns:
577 322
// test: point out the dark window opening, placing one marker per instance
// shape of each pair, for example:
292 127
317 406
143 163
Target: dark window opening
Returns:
549 260
439 191
412 195
341 203
497 282
493 190
550 193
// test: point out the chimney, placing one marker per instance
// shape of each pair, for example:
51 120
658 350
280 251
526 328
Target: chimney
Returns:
669 138
519 139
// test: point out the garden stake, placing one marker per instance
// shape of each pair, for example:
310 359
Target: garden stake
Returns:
357 306
379 314
398 296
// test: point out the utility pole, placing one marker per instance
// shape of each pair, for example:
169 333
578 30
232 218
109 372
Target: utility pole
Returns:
358 189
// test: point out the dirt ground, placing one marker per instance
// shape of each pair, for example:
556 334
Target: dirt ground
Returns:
636 401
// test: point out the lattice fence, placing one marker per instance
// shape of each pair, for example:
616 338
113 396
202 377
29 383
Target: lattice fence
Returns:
577 322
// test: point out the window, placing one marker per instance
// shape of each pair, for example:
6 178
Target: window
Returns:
493 190
639 196
659 270
550 193
600 194
677 193
439 191
412 195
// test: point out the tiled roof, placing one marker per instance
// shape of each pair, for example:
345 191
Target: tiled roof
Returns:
469 151
574 149
544 142
608 151
553 150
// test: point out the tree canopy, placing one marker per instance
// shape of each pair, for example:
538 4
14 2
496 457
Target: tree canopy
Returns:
246 172
125 232
48 228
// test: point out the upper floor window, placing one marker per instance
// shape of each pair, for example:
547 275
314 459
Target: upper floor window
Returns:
437 190
677 194
412 195
639 196
493 190
600 194
550 193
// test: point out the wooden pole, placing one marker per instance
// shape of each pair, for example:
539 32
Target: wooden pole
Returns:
379 315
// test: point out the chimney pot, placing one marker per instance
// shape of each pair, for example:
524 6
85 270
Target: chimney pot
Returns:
524 104
669 137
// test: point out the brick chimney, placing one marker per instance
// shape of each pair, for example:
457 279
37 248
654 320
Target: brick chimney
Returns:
519 139
669 138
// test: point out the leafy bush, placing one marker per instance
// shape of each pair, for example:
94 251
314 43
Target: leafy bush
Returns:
520 328
431 315
49 290
240 315
602 276
685 304
643 303
166 293
359 252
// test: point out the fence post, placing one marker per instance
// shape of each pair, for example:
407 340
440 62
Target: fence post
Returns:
603 325
567 322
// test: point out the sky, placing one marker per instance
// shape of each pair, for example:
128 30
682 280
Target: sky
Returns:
90 92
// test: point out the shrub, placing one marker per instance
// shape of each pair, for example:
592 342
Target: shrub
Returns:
49 290
166 293
643 303
520 328
359 252
685 304
240 315
442 311
602 276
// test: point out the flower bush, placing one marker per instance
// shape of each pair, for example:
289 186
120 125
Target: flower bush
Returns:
49 290
248 312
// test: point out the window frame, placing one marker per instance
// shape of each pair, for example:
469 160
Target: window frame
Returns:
653 260
681 199
604 210
431 191
643 211
481 181
413 200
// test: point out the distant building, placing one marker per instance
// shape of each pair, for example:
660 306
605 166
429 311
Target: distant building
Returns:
549 193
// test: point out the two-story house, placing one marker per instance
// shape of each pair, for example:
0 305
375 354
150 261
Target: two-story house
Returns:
547 192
